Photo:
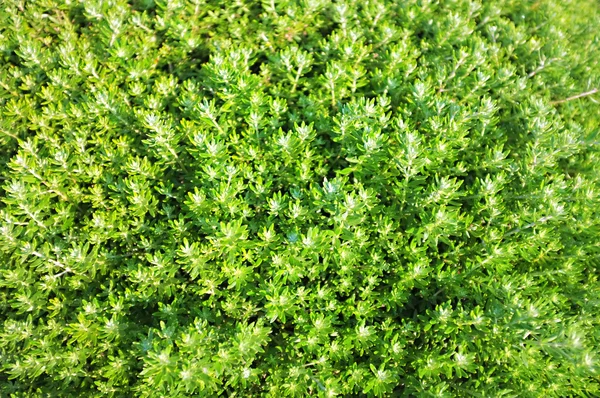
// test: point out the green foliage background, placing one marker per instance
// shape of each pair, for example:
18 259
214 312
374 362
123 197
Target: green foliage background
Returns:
294 198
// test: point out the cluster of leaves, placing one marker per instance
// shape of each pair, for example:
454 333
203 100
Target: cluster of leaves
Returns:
299 197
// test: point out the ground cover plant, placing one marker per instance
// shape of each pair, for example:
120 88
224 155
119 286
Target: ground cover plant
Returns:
299 198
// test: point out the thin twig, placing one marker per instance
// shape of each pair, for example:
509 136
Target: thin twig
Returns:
66 271
530 225
9 134
594 91
542 66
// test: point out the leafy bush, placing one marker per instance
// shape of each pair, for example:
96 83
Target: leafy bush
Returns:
293 198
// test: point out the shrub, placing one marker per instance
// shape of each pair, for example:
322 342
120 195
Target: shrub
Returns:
293 198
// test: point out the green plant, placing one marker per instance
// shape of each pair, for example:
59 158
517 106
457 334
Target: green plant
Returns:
293 198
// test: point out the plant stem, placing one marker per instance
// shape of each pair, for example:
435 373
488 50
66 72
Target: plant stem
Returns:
587 93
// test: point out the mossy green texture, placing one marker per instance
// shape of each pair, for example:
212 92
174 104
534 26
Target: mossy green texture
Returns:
289 198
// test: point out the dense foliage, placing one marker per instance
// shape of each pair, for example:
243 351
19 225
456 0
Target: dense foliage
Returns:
299 197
